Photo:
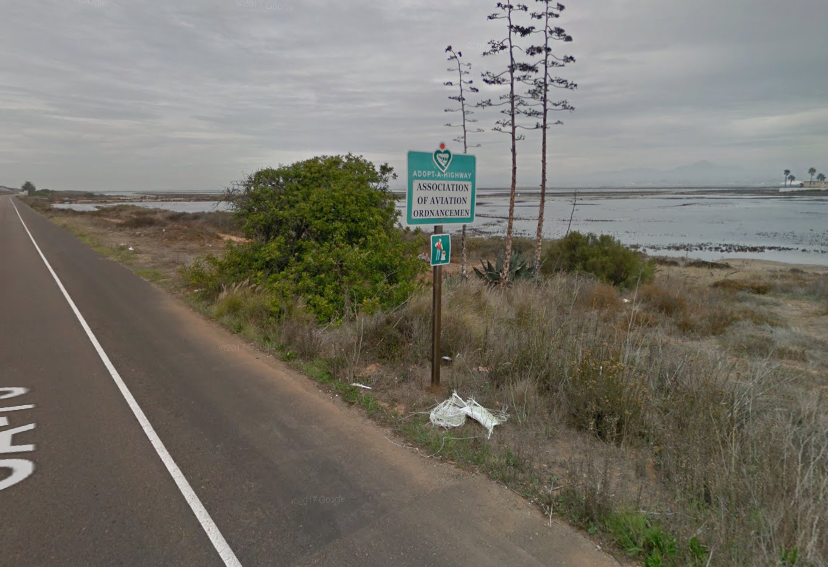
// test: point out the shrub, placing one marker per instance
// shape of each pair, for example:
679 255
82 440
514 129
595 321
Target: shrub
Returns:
382 338
602 297
602 256
819 288
759 288
604 301
248 304
324 229
669 301
142 221
708 320
606 397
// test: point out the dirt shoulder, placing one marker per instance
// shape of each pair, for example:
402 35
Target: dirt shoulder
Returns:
154 243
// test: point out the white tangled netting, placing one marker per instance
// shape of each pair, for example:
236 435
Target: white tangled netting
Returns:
453 413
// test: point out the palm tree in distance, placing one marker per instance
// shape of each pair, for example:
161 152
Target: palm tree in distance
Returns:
785 179
821 177
812 172
792 178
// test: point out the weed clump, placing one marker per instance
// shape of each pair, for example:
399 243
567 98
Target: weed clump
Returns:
142 221
601 297
759 288
663 299
606 397
819 289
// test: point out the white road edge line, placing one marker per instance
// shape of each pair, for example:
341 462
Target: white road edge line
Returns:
197 507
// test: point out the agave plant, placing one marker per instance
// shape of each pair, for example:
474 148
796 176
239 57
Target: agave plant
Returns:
519 269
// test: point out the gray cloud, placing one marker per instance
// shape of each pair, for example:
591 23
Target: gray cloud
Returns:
189 94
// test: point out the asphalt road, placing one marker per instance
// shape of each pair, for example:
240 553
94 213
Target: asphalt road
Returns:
171 443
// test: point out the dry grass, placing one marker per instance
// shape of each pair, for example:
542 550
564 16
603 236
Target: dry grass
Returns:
601 297
667 300
701 312
729 447
751 286
702 434
819 288
726 446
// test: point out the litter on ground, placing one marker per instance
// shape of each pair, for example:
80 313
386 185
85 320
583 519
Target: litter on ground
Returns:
453 413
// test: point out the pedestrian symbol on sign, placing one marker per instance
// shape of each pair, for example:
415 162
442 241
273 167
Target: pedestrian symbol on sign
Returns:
440 249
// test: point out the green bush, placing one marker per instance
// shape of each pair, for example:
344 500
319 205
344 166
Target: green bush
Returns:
324 229
602 256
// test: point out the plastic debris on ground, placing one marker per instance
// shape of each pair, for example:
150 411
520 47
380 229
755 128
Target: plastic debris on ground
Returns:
453 413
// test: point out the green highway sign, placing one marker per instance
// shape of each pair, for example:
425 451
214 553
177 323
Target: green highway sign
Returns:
441 187
440 249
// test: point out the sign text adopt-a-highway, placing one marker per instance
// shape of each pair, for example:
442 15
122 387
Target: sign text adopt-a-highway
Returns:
441 188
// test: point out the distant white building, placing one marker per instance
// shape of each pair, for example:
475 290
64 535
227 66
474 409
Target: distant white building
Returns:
801 186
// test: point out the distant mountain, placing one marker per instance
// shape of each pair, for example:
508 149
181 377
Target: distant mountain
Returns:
699 174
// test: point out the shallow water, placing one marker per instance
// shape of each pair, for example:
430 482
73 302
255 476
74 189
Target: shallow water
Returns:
176 206
785 228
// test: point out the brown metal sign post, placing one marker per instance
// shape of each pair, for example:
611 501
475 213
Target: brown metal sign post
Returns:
436 308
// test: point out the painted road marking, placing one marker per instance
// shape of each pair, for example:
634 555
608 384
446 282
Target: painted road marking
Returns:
21 469
12 392
196 506
6 438
17 408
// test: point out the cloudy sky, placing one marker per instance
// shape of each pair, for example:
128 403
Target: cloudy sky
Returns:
192 94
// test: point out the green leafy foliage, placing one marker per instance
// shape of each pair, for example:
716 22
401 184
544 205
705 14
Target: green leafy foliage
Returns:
639 536
789 556
325 230
602 256
519 269
644 537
